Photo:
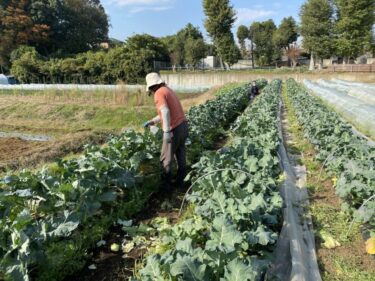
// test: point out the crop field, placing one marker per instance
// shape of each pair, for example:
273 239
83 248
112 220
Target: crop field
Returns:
279 188
259 165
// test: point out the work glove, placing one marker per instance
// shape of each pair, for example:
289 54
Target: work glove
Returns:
167 136
147 124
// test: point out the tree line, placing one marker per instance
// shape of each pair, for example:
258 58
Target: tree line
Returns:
58 41
55 28
337 27
342 28
126 62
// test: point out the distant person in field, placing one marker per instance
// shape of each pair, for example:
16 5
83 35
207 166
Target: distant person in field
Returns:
254 90
174 125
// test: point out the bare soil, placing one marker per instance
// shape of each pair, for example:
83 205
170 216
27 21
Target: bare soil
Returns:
16 153
12 149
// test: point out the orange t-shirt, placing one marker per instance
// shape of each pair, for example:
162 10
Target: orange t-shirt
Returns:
166 96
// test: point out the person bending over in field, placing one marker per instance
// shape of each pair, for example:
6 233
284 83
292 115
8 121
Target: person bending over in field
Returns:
174 125
254 90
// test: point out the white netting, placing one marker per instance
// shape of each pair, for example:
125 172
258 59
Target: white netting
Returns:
365 94
356 111
355 84
295 256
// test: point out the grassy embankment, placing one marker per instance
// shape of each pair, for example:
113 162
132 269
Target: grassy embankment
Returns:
60 112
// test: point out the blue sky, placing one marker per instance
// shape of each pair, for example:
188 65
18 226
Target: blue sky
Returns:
166 17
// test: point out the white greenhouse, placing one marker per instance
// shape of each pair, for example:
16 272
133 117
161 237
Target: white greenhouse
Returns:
3 80
355 106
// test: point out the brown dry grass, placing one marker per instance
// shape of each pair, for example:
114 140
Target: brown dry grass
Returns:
121 97
199 99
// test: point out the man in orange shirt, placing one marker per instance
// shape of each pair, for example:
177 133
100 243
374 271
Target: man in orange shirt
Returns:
174 124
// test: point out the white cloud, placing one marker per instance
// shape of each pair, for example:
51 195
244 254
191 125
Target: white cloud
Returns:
149 8
140 2
247 15
137 6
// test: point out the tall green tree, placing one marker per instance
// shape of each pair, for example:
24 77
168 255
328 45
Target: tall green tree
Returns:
141 51
317 28
242 35
251 37
47 12
169 43
195 50
26 64
220 17
230 53
82 25
187 46
285 35
355 19
262 34
180 49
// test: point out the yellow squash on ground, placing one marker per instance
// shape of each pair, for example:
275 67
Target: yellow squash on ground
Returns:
370 246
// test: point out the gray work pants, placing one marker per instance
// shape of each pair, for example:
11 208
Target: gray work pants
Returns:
175 149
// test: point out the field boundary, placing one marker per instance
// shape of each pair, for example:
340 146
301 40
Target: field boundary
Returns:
218 79
352 68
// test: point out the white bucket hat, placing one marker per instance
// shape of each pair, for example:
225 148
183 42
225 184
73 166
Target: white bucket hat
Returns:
153 79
